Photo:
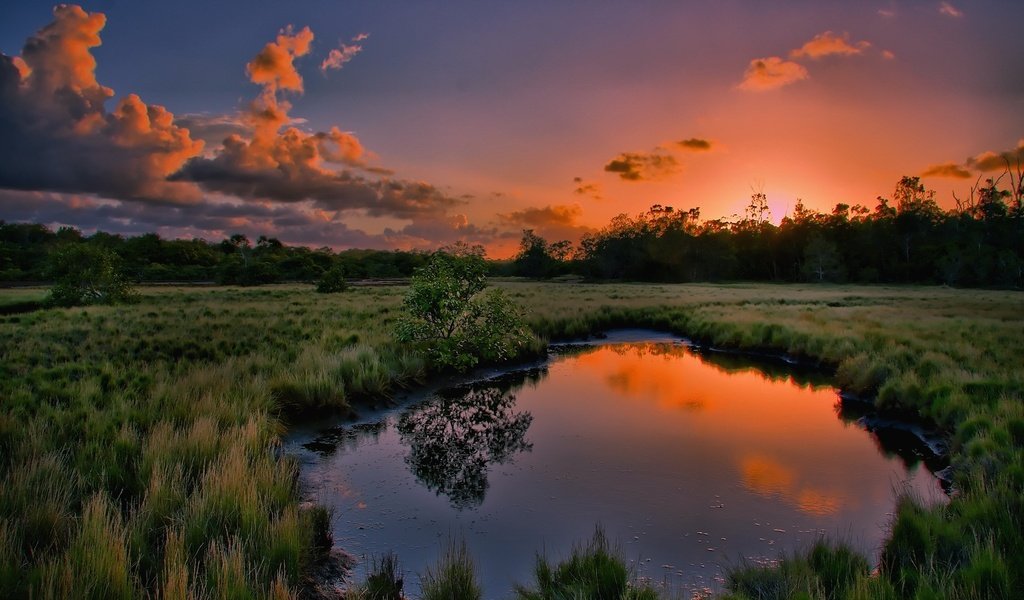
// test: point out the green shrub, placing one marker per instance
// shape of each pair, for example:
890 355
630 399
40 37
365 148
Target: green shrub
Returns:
457 323
332 281
87 274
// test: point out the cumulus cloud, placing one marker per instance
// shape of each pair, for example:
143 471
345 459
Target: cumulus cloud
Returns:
771 73
950 169
888 54
337 57
947 9
58 134
274 66
280 162
643 166
829 44
997 161
694 145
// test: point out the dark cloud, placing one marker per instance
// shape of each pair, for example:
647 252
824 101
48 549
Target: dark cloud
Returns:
694 144
586 188
640 166
299 223
58 136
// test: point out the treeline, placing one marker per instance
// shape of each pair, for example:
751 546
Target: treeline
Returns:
907 238
28 253
904 239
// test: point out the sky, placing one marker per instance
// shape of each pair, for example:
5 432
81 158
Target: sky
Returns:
416 124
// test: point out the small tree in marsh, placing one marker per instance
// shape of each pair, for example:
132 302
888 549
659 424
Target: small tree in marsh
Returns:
451 316
88 274
332 281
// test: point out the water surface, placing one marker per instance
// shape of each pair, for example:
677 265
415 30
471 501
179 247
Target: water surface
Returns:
689 460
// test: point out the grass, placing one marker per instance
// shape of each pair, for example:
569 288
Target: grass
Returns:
453 578
151 430
595 571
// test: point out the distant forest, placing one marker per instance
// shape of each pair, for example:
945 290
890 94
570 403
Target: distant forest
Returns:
907 238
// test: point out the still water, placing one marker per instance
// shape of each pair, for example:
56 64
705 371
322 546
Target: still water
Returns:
689 460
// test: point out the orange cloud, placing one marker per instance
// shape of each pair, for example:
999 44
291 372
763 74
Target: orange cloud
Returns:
829 44
278 161
559 214
949 169
274 66
771 73
640 166
997 161
337 57
947 9
59 136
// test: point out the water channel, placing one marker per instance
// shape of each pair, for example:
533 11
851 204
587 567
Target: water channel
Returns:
690 460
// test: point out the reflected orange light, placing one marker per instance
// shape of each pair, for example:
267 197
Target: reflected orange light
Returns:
766 425
765 476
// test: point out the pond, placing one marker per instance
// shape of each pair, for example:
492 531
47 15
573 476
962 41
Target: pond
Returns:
690 460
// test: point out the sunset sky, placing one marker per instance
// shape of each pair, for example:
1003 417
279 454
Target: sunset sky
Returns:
415 124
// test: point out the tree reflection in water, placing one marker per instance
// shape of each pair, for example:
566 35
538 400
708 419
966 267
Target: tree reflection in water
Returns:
453 441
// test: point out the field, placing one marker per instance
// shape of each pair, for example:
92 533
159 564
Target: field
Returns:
138 444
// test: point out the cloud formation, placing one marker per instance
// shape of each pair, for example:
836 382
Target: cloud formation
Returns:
553 222
337 57
558 214
694 144
587 188
950 169
643 166
998 161
280 162
829 44
947 9
771 73
59 136
988 161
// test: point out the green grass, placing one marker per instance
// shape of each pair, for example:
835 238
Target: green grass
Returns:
150 430
595 571
453 578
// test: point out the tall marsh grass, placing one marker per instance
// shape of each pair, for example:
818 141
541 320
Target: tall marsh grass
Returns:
151 430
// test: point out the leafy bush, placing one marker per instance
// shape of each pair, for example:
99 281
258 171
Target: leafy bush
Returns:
455 321
332 281
87 274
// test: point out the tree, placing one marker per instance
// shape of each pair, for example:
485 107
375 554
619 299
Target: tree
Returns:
88 274
456 322
332 281
535 258
821 260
